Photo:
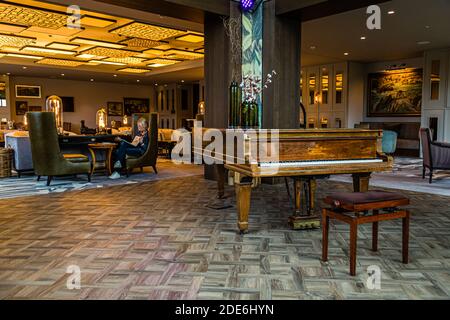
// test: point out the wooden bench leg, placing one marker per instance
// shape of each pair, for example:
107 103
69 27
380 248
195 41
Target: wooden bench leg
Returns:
325 230
405 246
375 233
353 239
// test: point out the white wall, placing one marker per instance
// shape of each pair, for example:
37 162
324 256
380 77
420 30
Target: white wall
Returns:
356 93
88 96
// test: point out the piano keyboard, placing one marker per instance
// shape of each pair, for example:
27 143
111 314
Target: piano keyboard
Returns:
287 164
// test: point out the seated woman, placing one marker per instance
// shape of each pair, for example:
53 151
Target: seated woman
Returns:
136 148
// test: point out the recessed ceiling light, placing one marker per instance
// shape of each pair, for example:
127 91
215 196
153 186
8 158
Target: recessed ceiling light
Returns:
346 53
363 38
182 81
24 67
115 75
427 27
8 73
313 47
62 74
92 80
421 43
138 80
391 12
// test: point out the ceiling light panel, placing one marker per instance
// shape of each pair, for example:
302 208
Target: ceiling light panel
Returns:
62 46
127 60
192 38
96 22
161 62
109 52
184 55
98 43
147 31
107 62
15 41
141 44
31 17
47 50
6 27
134 70
61 62
23 56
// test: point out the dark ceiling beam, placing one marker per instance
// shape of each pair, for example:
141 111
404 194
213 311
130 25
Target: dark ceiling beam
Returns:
162 7
221 7
321 8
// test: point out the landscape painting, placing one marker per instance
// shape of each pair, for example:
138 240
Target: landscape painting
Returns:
395 93
136 105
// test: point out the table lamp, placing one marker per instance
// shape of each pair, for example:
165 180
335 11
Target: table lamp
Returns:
101 120
54 104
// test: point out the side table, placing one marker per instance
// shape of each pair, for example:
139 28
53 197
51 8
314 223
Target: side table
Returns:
108 147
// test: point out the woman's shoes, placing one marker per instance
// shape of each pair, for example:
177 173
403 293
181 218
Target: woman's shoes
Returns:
115 175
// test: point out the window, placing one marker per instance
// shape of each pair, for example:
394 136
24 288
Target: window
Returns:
325 83
339 86
312 88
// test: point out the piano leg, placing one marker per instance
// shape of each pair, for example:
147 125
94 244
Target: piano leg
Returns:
243 196
361 182
220 171
304 219
312 185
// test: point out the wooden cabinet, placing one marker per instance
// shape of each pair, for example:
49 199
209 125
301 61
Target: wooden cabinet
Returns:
324 94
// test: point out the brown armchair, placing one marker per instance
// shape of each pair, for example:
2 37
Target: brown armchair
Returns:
148 159
47 157
436 155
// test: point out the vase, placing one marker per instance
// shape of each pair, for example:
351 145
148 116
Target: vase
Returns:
253 114
244 121
235 101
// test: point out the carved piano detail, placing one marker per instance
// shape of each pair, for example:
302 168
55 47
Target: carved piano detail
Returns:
304 155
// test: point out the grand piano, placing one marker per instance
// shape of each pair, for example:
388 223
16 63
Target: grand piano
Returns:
302 155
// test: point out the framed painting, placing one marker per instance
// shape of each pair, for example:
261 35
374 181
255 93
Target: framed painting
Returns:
30 92
395 93
136 105
115 108
21 108
35 108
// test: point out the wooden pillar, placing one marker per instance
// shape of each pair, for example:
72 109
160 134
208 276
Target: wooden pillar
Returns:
281 52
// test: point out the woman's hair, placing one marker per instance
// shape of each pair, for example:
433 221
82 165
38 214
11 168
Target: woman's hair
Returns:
143 122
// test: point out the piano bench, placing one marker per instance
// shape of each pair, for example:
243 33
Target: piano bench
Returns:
354 209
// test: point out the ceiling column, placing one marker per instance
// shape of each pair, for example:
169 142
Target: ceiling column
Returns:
282 53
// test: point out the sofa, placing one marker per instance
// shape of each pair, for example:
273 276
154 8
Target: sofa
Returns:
408 141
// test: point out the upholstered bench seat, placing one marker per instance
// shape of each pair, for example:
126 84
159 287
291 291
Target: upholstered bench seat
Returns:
360 208
361 201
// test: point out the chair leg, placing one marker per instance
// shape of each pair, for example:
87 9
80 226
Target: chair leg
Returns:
405 244
154 169
431 176
89 177
423 172
39 178
325 230
49 180
127 172
375 233
142 169
353 239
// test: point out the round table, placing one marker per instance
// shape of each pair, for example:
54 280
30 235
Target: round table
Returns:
108 147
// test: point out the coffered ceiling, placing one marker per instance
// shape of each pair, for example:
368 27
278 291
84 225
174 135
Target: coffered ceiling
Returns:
43 34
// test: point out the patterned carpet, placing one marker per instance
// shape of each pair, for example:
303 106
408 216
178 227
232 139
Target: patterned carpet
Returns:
158 240
27 185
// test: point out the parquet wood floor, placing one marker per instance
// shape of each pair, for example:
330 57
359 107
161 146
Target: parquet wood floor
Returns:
157 240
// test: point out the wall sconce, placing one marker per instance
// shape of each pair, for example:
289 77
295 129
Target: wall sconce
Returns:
54 104
201 108
317 98
101 120
125 120
324 123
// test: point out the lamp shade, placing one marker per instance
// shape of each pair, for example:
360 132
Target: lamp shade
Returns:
101 119
54 104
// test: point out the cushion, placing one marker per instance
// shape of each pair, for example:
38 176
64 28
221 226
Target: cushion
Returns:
76 158
353 200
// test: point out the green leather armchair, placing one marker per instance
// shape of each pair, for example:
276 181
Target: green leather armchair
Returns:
148 159
47 157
